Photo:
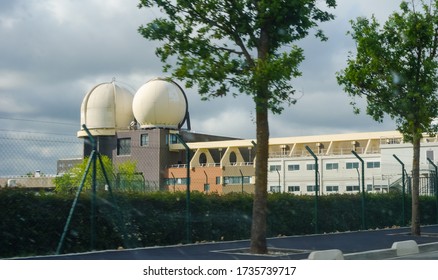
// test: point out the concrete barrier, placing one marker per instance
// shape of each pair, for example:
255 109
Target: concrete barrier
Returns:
407 247
333 254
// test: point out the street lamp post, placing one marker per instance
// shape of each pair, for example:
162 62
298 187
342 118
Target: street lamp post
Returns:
316 187
363 188
241 178
188 214
279 182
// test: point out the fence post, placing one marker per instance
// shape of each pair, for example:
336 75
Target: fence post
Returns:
403 188
435 186
363 188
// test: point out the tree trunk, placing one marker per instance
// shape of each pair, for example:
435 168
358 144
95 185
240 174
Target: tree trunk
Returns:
415 222
260 205
259 211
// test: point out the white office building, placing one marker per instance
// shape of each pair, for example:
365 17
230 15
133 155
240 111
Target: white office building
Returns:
339 163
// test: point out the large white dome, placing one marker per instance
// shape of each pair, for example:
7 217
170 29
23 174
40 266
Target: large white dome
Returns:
105 108
160 103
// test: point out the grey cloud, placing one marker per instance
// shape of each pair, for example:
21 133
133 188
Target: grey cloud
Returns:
60 49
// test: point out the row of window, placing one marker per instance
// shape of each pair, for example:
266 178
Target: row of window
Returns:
124 144
228 180
124 148
328 166
328 189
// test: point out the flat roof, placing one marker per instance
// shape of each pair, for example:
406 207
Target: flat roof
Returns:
293 140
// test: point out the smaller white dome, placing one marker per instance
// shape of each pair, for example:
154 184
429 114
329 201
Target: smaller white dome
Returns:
160 104
105 108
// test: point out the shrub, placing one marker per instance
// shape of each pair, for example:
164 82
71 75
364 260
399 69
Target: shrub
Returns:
31 223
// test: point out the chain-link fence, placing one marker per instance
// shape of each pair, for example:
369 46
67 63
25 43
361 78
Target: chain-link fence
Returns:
36 154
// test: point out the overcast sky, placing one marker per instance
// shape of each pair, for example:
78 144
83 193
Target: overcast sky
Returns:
53 51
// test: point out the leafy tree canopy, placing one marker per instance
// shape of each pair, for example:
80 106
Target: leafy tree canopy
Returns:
241 44
245 44
71 180
395 67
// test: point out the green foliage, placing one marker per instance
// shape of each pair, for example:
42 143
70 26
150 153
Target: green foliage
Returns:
126 174
70 181
248 46
65 183
128 167
395 68
220 45
128 179
31 223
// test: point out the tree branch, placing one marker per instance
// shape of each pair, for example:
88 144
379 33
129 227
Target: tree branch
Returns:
228 30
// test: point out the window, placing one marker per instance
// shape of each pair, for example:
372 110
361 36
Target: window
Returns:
274 168
218 180
181 181
429 155
169 181
352 188
235 180
175 181
274 189
293 188
293 167
173 139
352 165
202 159
332 166
144 140
310 166
369 187
233 158
311 188
123 146
332 188
373 164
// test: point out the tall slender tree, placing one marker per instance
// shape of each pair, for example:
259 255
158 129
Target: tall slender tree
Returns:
245 45
395 69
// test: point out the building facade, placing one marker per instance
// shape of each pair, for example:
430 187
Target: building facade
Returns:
147 129
292 167
224 165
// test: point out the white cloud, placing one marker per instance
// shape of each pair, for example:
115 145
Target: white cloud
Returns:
54 51
226 116
58 49
12 79
10 105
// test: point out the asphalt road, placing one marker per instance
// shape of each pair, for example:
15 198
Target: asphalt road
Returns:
291 247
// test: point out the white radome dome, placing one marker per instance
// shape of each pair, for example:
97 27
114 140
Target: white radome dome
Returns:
107 107
160 103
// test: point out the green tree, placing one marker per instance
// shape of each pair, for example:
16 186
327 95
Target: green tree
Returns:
70 181
245 45
395 70
65 183
128 168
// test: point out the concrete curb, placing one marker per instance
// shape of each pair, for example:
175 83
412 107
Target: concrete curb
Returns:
333 254
398 249
404 248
